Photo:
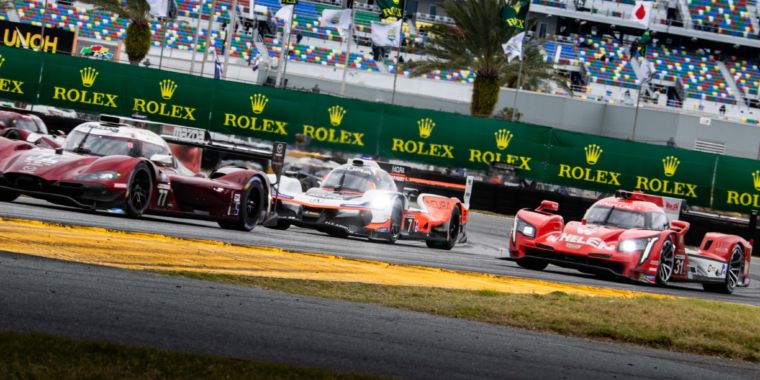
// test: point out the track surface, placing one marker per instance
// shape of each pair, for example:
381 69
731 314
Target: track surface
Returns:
83 301
487 241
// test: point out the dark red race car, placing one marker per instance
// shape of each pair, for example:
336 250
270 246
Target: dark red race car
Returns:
31 128
123 169
629 235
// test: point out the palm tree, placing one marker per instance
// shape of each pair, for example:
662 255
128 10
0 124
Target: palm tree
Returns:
474 44
137 41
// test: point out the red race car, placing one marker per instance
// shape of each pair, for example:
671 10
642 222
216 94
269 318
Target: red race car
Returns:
123 169
629 235
31 128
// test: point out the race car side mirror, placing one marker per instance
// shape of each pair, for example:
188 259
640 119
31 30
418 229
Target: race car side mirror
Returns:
679 225
548 206
164 160
583 221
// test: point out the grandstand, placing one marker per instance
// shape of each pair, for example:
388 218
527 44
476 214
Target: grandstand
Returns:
695 76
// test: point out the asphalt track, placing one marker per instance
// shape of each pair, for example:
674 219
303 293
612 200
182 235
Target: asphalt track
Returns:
486 245
133 307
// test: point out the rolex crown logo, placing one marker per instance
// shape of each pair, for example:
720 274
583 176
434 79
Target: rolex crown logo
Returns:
336 115
258 102
167 88
503 137
88 76
593 152
669 165
756 179
2 60
426 126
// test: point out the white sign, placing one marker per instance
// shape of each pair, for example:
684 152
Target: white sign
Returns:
189 134
705 121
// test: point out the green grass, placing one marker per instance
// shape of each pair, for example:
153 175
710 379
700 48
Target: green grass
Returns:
680 324
37 356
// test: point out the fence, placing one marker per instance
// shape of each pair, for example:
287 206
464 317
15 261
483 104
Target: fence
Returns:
382 130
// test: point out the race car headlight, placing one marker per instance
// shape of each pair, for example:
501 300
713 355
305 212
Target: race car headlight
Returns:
632 245
381 203
525 228
99 176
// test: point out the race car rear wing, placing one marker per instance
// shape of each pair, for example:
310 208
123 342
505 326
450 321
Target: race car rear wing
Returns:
671 206
412 179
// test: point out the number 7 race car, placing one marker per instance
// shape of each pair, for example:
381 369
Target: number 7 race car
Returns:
119 168
361 199
629 235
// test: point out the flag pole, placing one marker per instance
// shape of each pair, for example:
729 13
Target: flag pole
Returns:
228 41
163 43
285 50
398 54
517 87
197 34
208 35
348 53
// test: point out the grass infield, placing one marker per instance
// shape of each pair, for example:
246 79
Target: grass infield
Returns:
37 356
680 324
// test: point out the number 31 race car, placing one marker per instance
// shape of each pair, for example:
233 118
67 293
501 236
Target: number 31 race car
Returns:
116 167
629 235
361 199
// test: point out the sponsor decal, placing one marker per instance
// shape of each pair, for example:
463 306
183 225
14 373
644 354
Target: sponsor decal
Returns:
666 186
746 199
334 135
592 154
10 85
167 88
255 123
502 137
88 76
425 127
594 242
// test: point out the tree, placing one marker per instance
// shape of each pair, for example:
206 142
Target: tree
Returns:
474 44
137 41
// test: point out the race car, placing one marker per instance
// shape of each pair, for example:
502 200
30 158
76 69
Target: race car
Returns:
123 169
361 199
31 128
629 235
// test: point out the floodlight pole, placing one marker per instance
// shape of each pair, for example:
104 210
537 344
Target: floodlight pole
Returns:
228 41
636 113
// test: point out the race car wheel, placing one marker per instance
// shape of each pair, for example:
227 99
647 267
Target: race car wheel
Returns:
397 217
251 203
532 264
733 274
452 228
12 134
139 191
8 196
667 262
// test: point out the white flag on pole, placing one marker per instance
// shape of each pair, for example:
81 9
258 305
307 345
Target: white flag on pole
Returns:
336 18
386 34
513 47
285 13
159 8
641 12
647 71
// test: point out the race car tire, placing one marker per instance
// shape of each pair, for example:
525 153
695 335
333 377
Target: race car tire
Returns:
281 225
397 218
139 191
733 274
12 134
452 227
8 196
667 262
251 205
532 264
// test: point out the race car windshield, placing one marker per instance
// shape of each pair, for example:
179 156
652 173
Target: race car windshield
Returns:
97 145
626 219
27 124
349 180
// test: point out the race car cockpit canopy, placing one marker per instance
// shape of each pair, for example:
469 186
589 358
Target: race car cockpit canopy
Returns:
105 139
358 177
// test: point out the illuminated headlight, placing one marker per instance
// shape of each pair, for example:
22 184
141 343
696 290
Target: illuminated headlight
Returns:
99 176
380 203
525 228
632 245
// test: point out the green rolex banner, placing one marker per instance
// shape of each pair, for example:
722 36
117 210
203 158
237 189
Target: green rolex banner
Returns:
391 9
514 14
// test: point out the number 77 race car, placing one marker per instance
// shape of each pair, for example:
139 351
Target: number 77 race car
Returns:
629 235
123 169
361 199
